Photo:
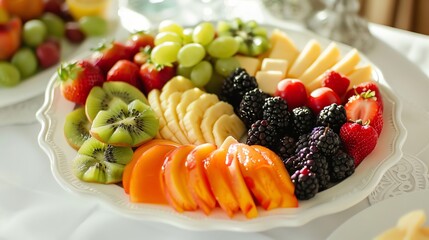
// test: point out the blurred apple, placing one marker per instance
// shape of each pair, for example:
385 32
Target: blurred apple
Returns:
10 38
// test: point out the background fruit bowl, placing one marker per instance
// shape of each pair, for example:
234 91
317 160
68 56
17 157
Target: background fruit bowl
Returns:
343 195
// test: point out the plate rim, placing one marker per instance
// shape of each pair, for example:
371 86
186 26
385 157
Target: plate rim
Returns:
253 225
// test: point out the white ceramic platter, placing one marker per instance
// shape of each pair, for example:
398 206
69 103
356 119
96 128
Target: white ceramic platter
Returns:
381 216
342 196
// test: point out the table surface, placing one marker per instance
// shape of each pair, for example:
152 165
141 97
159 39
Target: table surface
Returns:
34 206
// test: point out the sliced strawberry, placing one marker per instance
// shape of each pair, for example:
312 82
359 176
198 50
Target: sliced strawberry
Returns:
77 80
107 54
359 140
336 82
125 71
363 107
364 87
154 76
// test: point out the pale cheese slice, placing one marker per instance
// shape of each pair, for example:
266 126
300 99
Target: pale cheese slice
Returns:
344 67
359 75
282 47
268 80
325 61
271 64
250 64
307 56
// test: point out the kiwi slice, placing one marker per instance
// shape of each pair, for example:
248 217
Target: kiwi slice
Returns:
76 128
101 163
101 98
125 125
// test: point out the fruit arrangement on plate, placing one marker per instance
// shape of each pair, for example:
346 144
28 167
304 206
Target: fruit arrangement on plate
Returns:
223 114
32 33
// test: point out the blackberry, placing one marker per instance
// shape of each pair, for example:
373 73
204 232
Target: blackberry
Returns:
306 183
276 112
286 147
325 139
292 164
235 86
262 133
303 141
303 120
341 166
250 108
317 163
333 116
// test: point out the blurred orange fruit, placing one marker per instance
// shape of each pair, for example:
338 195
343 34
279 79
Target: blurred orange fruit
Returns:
24 9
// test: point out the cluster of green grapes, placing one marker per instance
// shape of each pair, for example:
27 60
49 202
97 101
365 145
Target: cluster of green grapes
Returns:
206 52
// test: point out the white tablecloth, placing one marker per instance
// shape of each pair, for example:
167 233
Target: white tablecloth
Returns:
34 206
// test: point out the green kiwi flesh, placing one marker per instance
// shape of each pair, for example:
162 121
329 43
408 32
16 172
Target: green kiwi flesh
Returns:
76 128
101 163
101 98
125 125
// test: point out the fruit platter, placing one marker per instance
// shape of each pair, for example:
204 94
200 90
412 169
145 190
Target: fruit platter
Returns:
231 125
35 36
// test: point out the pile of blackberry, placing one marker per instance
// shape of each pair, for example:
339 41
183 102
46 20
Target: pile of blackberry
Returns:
308 144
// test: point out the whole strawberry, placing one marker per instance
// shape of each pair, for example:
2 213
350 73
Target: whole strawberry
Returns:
77 80
125 71
107 54
359 140
138 41
155 76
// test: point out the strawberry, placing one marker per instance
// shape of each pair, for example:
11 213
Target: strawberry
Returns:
364 87
336 82
125 71
359 140
77 80
139 40
107 54
363 107
377 123
155 76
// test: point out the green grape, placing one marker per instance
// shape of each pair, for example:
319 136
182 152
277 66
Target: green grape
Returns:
93 25
34 32
165 53
170 26
9 75
187 35
201 73
223 26
203 33
237 23
251 24
223 47
260 31
215 84
259 45
225 66
26 62
191 54
167 37
56 26
184 71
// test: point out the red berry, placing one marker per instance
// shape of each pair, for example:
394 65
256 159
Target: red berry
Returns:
53 6
336 82
48 54
125 71
139 41
293 91
363 107
77 80
364 87
155 77
359 140
107 54
322 97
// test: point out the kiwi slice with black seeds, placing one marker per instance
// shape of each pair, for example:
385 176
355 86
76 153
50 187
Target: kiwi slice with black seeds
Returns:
76 128
125 125
101 163
101 98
